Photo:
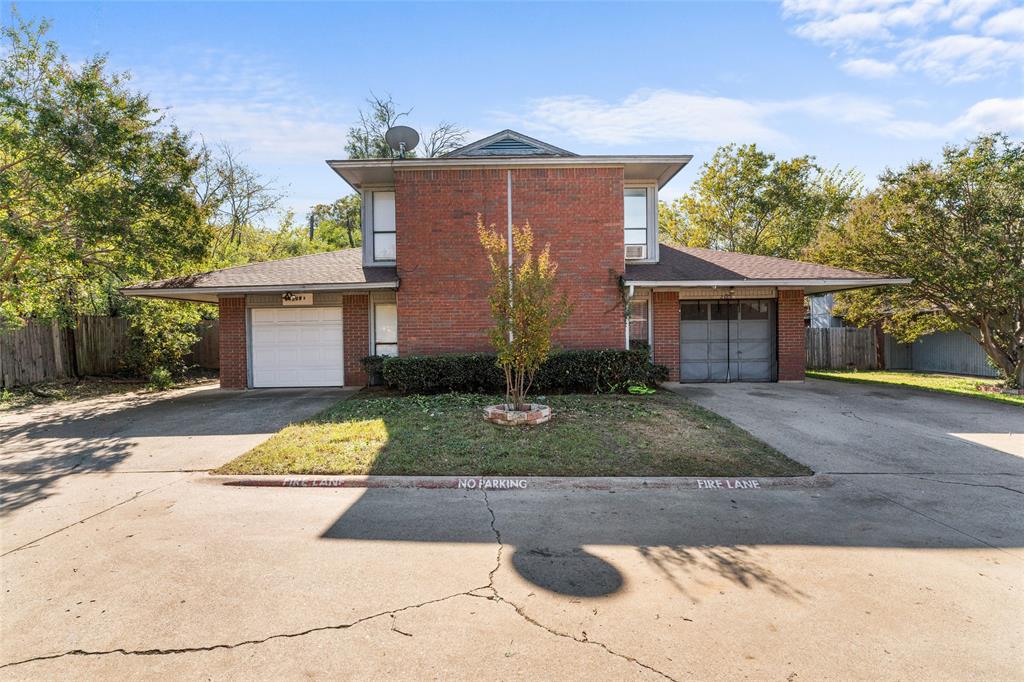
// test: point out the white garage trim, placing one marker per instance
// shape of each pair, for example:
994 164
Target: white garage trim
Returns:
301 346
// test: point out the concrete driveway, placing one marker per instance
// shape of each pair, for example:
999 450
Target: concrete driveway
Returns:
71 451
884 575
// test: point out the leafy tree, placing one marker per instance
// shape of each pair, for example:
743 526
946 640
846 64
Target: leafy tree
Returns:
338 223
525 307
94 188
748 201
957 228
235 200
256 244
366 139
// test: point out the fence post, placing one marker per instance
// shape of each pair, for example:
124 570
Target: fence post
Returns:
879 346
58 346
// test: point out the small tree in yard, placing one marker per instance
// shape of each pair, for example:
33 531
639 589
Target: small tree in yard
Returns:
525 306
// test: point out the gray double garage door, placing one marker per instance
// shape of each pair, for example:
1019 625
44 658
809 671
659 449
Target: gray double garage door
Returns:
727 340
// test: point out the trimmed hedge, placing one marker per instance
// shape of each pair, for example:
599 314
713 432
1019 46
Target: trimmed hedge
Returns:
579 371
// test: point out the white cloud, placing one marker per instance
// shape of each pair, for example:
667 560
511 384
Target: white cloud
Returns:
248 102
1010 22
277 133
847 109
938 38
870 68
666 115
991 115
652 114
844 28
959 58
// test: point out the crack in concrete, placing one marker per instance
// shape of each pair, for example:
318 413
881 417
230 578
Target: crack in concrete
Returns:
942 523
974 485
248 642
487 591
496 596
137 495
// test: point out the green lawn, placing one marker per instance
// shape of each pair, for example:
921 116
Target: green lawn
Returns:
590 435
944 383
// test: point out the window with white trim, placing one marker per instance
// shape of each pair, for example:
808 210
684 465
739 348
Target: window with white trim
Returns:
639 329
385 329
381 217
637 202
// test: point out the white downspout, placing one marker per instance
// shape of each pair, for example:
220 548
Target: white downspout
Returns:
508 195
628 301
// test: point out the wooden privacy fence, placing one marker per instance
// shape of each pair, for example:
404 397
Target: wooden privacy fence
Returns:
45 351
841 348
206 352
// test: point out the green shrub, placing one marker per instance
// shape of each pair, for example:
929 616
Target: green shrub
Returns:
162 334
598 371
373 364
578 371
470 372
160 379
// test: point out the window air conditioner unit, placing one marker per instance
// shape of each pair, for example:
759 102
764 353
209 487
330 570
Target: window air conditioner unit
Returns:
635 251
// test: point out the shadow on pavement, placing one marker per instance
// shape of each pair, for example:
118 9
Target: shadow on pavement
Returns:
685 536
41 446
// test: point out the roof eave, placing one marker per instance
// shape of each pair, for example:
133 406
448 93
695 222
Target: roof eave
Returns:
816 286
203 294
348 169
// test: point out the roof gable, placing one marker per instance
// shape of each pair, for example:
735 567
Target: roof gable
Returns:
507 143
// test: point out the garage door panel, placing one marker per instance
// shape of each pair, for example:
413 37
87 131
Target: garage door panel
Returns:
718 371
695 371
718 330
694 331
755 371
718 350
297 347
695 351
754 350
753 329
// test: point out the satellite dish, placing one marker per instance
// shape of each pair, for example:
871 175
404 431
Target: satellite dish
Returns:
401 139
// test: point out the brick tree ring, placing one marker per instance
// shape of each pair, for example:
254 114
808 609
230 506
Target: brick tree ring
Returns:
500 414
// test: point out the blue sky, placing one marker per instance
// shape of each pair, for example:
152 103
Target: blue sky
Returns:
857 83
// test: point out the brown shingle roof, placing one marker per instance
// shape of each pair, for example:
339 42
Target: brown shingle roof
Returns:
330 268
683 264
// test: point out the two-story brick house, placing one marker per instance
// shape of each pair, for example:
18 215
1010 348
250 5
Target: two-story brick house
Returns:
419 284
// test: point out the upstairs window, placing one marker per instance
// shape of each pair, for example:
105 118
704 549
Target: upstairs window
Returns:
381 217
637 204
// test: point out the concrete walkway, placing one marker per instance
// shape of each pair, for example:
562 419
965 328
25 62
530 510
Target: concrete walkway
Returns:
882 575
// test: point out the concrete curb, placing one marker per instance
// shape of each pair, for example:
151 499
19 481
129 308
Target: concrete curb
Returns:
531 482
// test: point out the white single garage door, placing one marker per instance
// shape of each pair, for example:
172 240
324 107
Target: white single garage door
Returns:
296 347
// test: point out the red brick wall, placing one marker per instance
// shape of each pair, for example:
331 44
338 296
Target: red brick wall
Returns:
233 365
666 331
356 329
792 335
442 302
